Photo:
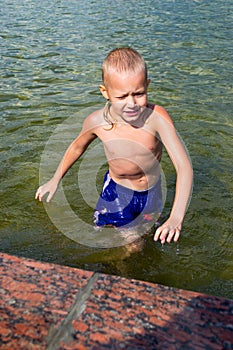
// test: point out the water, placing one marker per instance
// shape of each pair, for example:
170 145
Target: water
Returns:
51 54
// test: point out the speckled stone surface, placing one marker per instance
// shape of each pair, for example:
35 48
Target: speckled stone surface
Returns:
96 311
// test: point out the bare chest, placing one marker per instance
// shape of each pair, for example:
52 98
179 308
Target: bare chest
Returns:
128 142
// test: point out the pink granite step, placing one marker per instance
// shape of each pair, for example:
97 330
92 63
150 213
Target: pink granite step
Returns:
47 306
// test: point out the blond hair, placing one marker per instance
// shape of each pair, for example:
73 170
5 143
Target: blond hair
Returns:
120 60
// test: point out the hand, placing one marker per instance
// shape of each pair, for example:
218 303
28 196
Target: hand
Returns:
169 230
49 187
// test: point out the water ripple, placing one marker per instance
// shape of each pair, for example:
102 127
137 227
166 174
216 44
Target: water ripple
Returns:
51 55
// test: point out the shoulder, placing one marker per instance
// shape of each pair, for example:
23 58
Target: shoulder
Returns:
94 120
161 114
161 111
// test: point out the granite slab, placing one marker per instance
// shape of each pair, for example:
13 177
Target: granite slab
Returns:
47 306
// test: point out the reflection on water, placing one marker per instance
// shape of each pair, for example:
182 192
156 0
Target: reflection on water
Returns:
51 54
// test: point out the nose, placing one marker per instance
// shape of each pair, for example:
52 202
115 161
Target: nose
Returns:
131 100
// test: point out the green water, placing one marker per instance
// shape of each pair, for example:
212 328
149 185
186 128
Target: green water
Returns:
50 68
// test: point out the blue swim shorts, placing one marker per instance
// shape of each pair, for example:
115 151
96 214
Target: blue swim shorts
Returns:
121 206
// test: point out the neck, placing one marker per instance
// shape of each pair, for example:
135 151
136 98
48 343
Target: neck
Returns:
108 115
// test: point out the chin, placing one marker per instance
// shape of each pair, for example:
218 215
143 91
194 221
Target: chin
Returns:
130 118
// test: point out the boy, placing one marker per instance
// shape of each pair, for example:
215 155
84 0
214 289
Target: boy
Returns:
132 132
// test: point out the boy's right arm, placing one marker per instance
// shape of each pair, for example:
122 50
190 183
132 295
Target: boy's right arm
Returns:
72 154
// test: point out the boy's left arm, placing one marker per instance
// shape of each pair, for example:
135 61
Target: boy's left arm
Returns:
171 228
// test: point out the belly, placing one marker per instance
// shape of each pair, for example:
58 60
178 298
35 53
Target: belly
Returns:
131 175
133 164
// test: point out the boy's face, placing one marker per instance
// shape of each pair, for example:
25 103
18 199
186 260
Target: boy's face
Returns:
127 93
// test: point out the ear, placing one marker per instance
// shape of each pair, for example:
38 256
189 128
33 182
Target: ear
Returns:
103 91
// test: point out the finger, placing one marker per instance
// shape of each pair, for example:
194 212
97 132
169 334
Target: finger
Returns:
49 197
163 241
37 196
177 235
37 193
170 235
157 234
163 235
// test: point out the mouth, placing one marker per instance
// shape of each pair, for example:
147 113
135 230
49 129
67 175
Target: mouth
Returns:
132 113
